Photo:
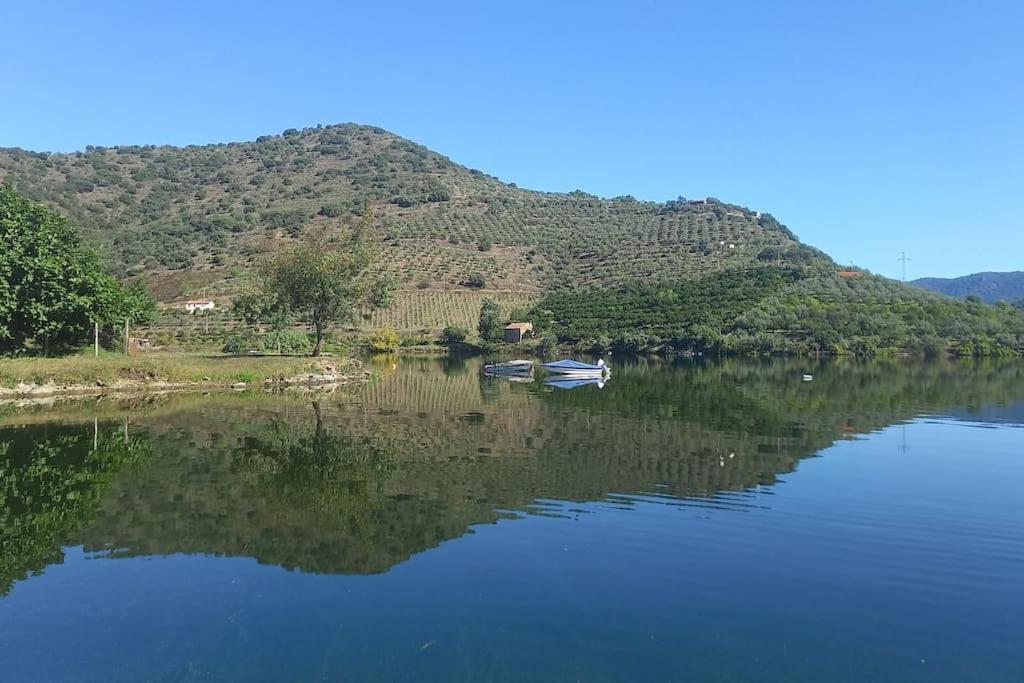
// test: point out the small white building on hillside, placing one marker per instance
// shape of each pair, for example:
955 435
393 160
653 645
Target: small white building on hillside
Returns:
199 306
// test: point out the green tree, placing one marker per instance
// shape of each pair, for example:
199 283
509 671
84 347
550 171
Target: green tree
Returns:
323 282
52 290
491 323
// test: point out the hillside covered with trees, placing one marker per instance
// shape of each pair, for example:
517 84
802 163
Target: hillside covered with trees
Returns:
989 287
189 217
599 273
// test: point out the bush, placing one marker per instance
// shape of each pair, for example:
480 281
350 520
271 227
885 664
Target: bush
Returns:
475 281
238 343
453 335
417 340
384 340
333 210
287 341
548 343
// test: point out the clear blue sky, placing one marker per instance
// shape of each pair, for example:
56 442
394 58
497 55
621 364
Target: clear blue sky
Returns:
868 127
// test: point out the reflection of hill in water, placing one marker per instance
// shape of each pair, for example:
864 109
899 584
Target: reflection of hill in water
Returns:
421 456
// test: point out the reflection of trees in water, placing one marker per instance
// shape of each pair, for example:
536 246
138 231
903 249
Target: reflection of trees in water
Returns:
288 490
51 482
362 483
285 453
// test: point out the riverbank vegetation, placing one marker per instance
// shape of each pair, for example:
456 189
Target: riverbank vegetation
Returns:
781 310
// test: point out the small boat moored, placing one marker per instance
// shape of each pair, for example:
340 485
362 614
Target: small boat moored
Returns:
517 367
575 368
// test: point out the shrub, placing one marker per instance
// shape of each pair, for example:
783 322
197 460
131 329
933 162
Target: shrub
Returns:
286 341
548 343
453 335
384 340
237 343
333 210
417 340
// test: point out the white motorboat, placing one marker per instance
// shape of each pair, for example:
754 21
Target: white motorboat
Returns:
575 368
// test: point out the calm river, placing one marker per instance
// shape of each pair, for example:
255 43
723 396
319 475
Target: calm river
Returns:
685 522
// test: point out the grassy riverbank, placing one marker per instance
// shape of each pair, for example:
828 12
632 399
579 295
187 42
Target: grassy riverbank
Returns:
158 369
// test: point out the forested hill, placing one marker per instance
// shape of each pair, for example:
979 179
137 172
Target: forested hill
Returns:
990 287
598 273
196 216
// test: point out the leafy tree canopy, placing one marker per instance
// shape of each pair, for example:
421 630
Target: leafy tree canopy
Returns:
491 323
52 290
324 281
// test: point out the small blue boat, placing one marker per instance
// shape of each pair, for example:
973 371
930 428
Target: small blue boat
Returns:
576 368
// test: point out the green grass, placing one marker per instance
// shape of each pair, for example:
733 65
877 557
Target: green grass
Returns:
161 367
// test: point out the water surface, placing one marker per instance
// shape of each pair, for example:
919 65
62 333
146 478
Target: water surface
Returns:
710 521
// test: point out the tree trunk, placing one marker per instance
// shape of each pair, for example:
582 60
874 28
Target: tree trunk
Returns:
319 327
319 420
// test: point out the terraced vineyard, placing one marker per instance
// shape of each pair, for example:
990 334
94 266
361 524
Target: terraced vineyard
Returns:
429 310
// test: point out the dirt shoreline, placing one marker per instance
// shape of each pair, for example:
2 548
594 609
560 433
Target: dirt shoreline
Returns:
323 380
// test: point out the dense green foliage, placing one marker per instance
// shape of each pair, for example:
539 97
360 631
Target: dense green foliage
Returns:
491 325
283 341
770 309
647 313
52 290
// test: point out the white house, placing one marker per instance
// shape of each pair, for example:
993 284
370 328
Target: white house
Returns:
199 305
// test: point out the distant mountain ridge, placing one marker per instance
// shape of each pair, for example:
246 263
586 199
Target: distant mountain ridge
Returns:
990 286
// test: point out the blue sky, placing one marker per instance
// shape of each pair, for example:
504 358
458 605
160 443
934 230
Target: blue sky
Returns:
868 128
